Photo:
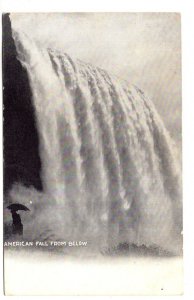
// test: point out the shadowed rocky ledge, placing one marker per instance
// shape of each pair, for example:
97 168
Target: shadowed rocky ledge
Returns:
21 154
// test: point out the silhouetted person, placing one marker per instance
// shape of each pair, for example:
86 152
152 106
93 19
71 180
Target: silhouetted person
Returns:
17 227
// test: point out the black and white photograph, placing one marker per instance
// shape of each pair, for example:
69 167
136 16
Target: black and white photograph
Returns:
92 153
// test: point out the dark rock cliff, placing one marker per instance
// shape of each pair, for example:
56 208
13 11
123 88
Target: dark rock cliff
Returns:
21 146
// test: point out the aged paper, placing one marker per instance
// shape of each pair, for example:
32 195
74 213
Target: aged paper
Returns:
92 154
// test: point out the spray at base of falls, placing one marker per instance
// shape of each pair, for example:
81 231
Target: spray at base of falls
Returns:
108 163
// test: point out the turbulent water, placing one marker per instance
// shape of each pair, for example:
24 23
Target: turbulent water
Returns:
109 169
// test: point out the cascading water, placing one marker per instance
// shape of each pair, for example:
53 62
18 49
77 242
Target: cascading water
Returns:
108 163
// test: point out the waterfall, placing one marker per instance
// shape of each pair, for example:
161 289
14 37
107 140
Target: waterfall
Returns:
108 163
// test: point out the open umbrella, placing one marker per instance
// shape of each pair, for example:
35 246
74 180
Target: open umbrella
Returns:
17 206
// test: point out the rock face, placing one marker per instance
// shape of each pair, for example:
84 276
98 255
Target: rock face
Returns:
21 156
